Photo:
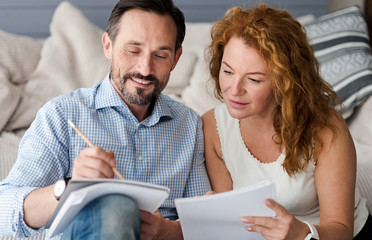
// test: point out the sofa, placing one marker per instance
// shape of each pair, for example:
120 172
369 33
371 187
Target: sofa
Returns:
32 71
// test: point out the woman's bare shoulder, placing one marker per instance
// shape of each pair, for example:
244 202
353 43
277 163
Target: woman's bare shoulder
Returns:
209 121
208 115
337 139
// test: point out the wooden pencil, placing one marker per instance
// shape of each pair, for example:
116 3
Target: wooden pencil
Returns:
91 145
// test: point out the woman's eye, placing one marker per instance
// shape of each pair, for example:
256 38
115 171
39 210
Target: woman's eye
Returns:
227 72
254 80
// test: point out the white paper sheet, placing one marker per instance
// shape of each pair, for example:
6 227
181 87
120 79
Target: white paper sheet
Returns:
218 216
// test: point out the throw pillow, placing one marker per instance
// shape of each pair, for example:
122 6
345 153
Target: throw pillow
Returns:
71 57
360 123
199 94
341 45
180 76
19 56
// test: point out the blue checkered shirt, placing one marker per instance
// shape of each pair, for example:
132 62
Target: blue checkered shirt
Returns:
166 148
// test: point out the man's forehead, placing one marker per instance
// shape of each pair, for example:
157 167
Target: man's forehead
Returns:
139 26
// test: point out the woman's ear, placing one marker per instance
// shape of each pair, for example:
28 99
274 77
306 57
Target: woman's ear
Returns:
107 45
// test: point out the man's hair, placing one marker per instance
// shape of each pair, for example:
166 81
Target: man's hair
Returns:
304 99
161 7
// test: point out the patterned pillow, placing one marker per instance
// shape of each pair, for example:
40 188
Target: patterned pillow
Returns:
341 44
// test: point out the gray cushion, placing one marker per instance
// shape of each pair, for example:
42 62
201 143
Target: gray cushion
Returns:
341 44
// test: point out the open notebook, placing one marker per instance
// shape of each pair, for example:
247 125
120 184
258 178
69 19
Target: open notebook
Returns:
79 192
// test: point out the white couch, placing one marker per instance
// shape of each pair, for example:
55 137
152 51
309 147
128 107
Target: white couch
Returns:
34 71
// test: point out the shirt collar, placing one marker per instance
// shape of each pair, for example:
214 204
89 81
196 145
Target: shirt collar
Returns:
161 111
106 96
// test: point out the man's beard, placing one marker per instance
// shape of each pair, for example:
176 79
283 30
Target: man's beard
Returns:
139 98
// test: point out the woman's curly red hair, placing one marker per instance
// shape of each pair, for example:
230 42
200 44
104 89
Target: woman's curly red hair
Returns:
304 99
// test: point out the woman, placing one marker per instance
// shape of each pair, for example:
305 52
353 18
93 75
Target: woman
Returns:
279 122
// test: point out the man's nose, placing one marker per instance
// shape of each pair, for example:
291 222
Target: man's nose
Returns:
145 64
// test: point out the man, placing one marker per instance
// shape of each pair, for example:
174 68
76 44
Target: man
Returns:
144 134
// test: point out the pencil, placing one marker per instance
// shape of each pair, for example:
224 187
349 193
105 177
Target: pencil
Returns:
92 145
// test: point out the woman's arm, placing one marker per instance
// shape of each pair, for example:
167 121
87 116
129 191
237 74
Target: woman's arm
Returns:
335 181
218 174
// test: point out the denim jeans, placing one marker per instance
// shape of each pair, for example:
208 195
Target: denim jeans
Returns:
107 217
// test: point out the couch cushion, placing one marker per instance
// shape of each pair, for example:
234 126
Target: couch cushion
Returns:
364 169
71 57
180 76
19 56
360 123
341 44
199 93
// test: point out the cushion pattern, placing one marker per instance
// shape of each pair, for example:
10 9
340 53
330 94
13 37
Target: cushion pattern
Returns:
341 44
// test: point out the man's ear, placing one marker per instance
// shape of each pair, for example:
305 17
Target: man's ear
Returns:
177 57
107 45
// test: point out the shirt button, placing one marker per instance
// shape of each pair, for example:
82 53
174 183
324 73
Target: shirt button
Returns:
140 158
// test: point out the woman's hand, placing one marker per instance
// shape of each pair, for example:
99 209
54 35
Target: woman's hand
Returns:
284 226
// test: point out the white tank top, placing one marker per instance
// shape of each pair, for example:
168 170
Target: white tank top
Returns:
297 194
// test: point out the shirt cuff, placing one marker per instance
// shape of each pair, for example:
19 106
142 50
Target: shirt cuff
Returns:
13 214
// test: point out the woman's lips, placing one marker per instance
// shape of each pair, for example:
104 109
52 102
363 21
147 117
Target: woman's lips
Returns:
237 104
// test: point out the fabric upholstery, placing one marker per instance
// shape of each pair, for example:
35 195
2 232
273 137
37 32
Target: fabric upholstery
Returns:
341 44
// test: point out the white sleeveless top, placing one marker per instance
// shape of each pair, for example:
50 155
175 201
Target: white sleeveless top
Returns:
297 194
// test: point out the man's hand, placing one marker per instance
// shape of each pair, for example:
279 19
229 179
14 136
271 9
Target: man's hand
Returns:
94 162
154 226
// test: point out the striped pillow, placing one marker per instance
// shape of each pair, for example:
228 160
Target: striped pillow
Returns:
341 44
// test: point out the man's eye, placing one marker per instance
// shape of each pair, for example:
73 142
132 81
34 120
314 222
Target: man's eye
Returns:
133 51
160 56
